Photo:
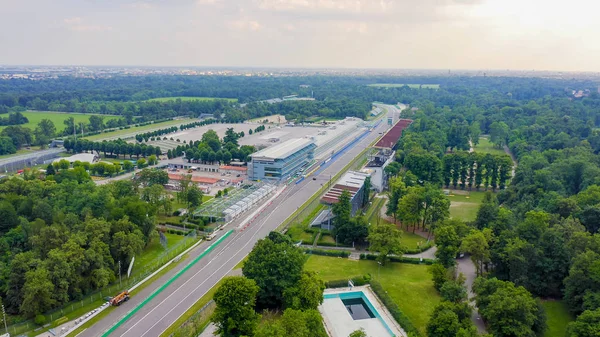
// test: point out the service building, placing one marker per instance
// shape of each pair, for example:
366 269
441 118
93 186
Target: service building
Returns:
281 161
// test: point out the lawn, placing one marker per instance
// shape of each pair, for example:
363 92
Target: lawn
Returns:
399 85
558 317
411 240
485 146
465 206
132 131
166 99
154 250
409 285
57 118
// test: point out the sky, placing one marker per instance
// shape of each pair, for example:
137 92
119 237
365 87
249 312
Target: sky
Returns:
399 34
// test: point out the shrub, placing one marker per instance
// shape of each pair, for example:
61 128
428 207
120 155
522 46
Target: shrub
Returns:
176 213
40 320
357 280
338 253
400 259
393 308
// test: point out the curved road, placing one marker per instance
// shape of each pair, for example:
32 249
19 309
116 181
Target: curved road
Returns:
168 306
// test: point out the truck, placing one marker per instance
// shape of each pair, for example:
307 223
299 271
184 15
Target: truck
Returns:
120 298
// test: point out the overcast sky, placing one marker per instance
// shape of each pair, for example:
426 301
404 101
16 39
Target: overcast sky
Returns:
440 34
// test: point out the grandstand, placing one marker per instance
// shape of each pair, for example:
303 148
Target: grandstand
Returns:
390 139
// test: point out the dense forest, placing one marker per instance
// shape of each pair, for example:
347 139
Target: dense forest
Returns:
540 232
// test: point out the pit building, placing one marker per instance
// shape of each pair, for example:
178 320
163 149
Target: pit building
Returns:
281 161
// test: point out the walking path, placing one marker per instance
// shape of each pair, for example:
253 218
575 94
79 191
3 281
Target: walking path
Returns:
467 268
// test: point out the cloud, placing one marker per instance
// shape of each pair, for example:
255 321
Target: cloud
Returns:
73 21
245 25
78 24
141 5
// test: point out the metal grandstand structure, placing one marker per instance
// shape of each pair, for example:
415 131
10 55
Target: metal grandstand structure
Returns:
237 201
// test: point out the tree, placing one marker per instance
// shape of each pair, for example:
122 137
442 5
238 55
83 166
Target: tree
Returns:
50 170
234 315
44 131
193 196
439 274
274 267
358 333
453 291
477 245
499 133
444 322
586 325
8 217
385 238
153 176
152 160
19 135
307 294
127 165
448 244
96 123
509 310
367 191
392 169
38 291
583 279
342 209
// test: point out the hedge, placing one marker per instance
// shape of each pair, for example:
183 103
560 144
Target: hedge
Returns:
357 280
400 259
393 308
338 253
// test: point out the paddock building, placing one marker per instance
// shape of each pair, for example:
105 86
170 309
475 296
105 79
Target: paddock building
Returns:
281 161
354 183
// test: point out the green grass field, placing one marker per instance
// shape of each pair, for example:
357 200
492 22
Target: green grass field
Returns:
485 146
558 317
409 285
411 241
138 129
399 85
165 99
57 118
465 206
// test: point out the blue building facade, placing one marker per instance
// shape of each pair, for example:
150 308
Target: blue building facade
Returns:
281 161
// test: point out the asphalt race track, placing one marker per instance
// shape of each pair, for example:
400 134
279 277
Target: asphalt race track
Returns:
158 314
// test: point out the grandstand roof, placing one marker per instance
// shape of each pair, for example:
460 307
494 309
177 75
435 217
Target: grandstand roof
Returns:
351 181
234 168
393 135
283 150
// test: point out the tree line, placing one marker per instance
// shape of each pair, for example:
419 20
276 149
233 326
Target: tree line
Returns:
112 147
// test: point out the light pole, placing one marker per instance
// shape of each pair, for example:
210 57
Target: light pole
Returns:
4 315
379 270
336 240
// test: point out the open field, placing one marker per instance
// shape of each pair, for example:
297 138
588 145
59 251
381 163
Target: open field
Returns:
183 98
558 317
409 285
464 206
139 129
398 85
57 118
485 146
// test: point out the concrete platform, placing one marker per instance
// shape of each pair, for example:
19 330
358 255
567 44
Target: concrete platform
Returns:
339 323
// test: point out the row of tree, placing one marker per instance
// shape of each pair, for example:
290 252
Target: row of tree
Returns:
112 147
474 169
15 118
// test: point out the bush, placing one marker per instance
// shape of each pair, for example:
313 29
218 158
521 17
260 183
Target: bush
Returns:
40 320
176 213
393 308
357 280
400 259
338 253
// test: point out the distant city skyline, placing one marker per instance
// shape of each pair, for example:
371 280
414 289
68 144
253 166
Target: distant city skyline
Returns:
341 34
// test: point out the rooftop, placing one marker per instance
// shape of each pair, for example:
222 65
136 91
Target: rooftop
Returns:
82 157
196 179
283 150
351 181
